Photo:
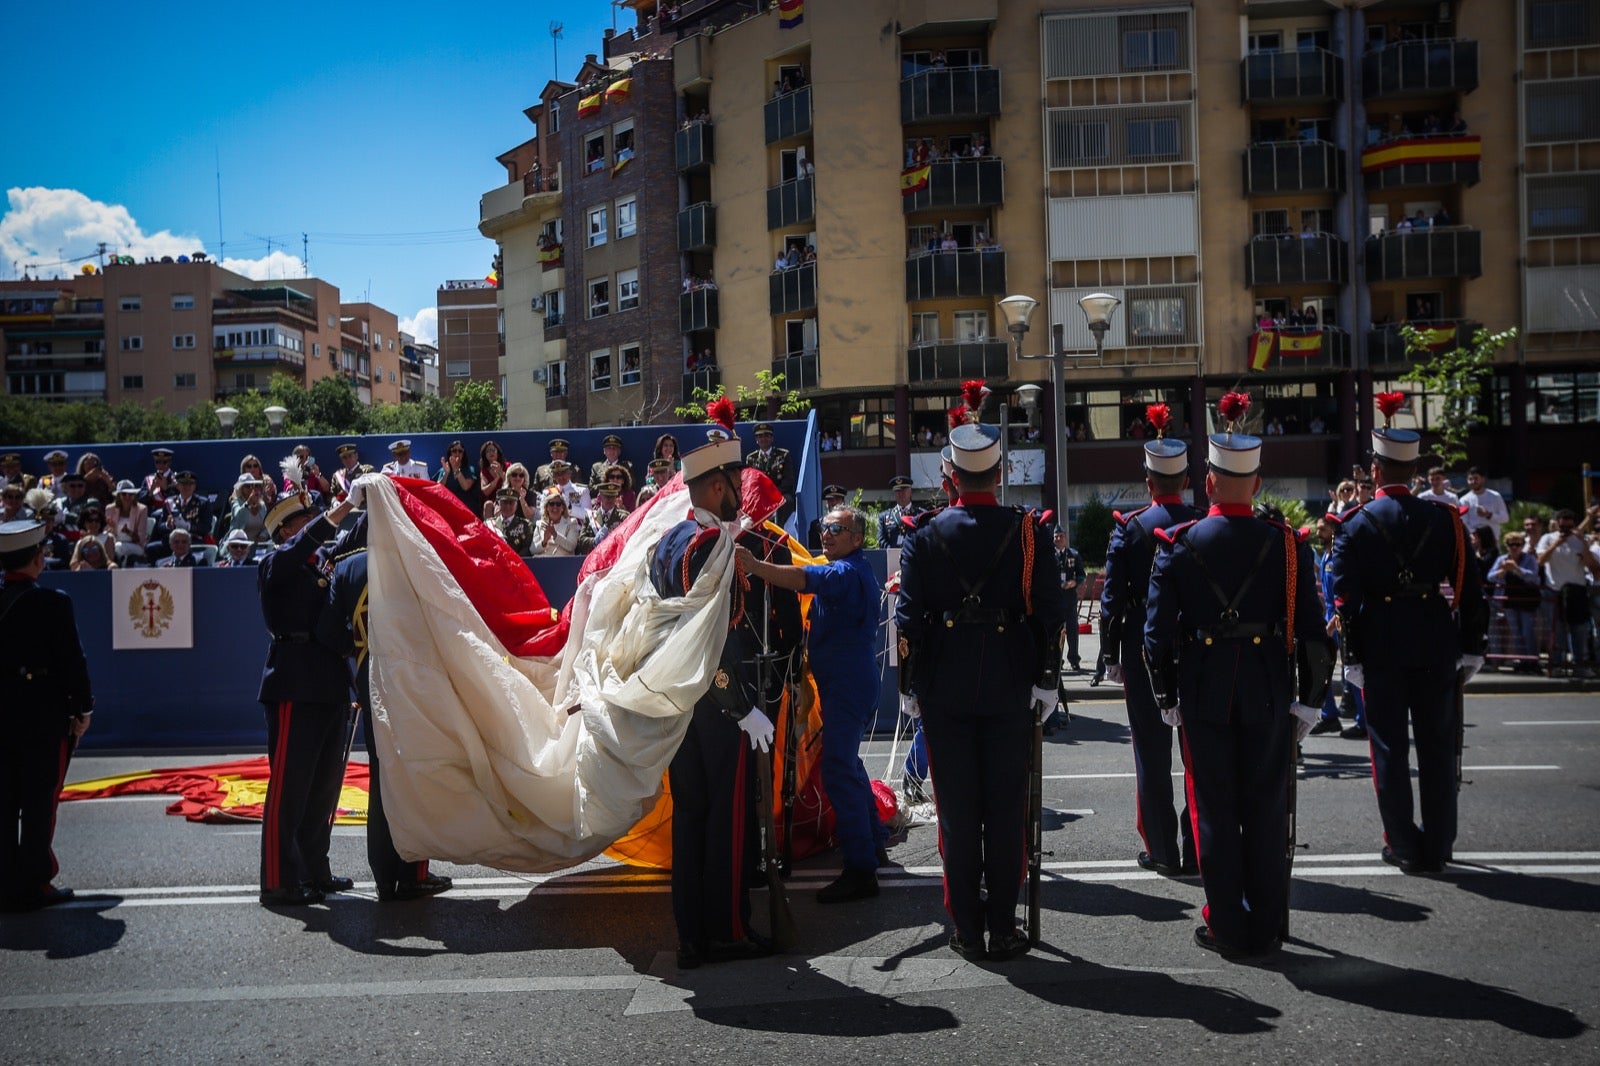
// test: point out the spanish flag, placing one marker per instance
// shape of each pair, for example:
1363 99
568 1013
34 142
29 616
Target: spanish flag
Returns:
617 91
791 13
1261 349
1300 345
1437 338
1409 150
589 105
551 255
220 792
915 179
493 278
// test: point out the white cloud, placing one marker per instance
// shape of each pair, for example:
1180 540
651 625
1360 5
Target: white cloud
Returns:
44 226
424 326
276 265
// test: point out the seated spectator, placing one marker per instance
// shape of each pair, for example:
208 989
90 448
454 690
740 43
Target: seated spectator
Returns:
90 554
57 545
128 522
236 549
460 477
661 471
56 464
622 479
191 511
667 448
251 466
608 513
556 532
510 523
249 508
314 480
181 555
92 526
98 483
13 504
492 467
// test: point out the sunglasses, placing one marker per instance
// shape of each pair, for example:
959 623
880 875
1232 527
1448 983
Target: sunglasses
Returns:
555 503
835 528
519 475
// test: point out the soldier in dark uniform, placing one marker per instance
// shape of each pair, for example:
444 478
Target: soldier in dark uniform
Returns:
892 525
775 463
11 471
1070 565
611 448
713 800
345 476
661 472
1407 645
914 774
608 512
187 509
544 477
1220 642
980 617
305 690
44 686
832 496
1122 618
509 522
343 627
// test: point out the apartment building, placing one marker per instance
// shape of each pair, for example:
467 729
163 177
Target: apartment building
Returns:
369 351
53 337
469 332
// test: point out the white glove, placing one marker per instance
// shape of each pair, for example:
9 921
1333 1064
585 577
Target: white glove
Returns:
909 706
1304 718
1045 699
357 497
759 728
1471 664
1114 673
1354 675
1172 716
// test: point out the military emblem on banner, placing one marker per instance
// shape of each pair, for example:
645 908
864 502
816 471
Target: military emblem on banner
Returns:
152 612
150 608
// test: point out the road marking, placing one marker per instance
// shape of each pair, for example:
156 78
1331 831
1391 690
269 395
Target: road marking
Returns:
1575 721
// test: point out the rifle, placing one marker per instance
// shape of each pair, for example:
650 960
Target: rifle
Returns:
785 936
1289 844
1461 722
1035 822
791 767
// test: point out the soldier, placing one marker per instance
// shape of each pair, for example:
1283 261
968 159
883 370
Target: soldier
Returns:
305 690
44 685
980 616
611 448
1070 565
1122 617
57 463
608 512
660 473
11 471
1408 646
892 524
343 627
914 774
510 522
543 477
832 496
1232 602
773 462
345 476
188 510
402 465
577 496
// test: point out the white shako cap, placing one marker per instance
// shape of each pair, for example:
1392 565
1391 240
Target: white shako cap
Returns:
722 448
975 448
1233 452
20 534
1394 445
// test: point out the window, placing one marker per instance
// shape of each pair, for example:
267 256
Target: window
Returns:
129 303
1072 143
964 57
244 381
132 382
552 308
1269 41
183 340
1158 319
183 381
599 297
1149 48
631 364
597 226
627 289
1271 223
600 370
972 326
458 368
133 344
555 378
1307 40
391 377
183 301
627 217
458 324
1153 137
1556 23
316 350
555 116
622 142
1569 397
594 153
552 229
925 327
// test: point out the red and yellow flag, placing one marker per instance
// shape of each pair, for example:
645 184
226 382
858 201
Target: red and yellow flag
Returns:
1261 348
1299 345
915 179
1409 150
589 105
791 13
493 278
1437 337
617 91
550 256
220 792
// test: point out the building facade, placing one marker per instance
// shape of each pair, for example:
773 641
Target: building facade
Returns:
469 333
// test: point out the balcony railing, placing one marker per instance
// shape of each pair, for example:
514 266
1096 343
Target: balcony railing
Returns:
697 228
788 116
1386 346
1302 76
36 361
791 203
942 275
709 380
1293 259
799 370
1293 166
959 183
257 357
957 360
1293 349
951 93
697 310
1411 67
1422 160
695 147
1434 252
792 290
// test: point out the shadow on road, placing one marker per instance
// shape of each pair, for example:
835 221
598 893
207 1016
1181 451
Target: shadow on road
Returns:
850 1013
1530 890
1318 897
64 933
1338 765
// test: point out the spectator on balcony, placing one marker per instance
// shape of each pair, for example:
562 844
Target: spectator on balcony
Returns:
1318 426
980 146
491 472
1430 125
99 486
949 243
128 521
597 157
1420 220
1307 231
1290 425
937 62
1421 310
781 263
1458 125
1136 428
1082 432
1442 217
810 255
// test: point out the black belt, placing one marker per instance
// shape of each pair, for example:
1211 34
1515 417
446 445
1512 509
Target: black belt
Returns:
980 616
1412 591
1251 631
292 638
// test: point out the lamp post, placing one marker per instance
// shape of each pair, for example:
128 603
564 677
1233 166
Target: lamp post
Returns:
275 416
227 416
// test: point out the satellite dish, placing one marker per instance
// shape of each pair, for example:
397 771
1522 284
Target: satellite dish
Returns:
183 259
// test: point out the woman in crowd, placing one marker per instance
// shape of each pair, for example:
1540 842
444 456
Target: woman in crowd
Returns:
251 466
667 448
556 532
249 511
492 468
90 554
460 477
1515 577
127 520
619 476
98 483
1485 551
521 482
92 526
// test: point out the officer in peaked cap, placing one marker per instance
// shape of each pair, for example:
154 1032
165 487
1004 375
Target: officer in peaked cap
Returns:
832 496
402 465
44 686
661 472
1122 618
1407 645
1232 600
979 587
56 460
542 477
349 460
775 463
611 447
11 471
892 524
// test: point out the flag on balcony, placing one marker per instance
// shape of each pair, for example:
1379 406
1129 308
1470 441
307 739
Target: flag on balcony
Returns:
550 253
617 91
493 278
622 161
915 179
1299 345
1437 338
1409 150
589 105
1261 343
791 13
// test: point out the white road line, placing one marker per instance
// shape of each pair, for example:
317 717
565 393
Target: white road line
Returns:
1574 721
448 986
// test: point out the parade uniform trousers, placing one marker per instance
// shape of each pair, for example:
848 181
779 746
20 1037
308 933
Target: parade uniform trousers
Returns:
1428 692
714 830
33 767
305 753
1168 836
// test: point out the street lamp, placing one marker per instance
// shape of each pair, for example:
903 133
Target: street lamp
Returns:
227 416
1098 307
275 416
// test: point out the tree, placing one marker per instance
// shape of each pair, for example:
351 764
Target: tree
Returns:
753 403
1455 378
1092 535
475 407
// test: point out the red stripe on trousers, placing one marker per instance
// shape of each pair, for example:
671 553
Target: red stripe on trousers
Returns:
269 822
735 923
1194 816
64 757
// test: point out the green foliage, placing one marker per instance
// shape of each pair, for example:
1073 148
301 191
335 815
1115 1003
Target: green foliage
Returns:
752 404
475 407
1294 511
1456 377
1522 509
1092 533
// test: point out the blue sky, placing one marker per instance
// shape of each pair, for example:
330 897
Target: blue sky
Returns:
372 129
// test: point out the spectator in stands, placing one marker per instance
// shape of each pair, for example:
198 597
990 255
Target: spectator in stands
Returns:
620 477
460 477
98 482
576 495
128 522
236 549
314 479
90 554
556 532
520 482
92 523
510 523
56 470
491 473
181 555
1514 577
249 508
667 448
11 471
13 503
189 510
608 513
660 474
251 466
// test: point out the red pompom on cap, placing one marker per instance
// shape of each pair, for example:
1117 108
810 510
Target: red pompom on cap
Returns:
1389 404
1234 405
958 415
1158 415
973 393
722 412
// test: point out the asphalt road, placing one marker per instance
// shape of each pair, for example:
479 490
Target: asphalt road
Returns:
166 957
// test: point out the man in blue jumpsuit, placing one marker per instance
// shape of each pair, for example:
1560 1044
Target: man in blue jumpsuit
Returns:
980 616
1220 650
1407 645
714 830
1122 618
305 689
842 652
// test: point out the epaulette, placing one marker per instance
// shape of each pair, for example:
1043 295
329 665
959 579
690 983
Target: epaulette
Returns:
345 555
1170 534
1341 519
1124 519
922 518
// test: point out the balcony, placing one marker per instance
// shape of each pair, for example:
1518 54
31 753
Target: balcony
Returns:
1292 259
943 275
958 183
799 370
697 228
1294 349
788 116
225 357
1387 348
697 310
1423 160
950 94
957 360
1293 166
695 148
791 203
1434 252
35 361
792 290
555 326
1308 75
709 379
1412 68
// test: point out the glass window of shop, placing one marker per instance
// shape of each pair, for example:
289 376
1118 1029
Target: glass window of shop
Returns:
1554 398
1114 413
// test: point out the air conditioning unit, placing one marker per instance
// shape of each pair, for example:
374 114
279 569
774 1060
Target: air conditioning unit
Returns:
541 374
536 304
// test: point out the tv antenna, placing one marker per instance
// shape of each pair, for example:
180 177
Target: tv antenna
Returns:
555 48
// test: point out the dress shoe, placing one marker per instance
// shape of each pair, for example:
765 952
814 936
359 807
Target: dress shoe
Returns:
753 946
690 956
850 885
431 885
911 788
1008 946
1325 725
1162 868
334 884
971 950
48 896
1410 866
1203 937
1355 732
296 896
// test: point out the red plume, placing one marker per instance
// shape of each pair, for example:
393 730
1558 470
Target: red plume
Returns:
1158 415
1234 405
722 412
958 415
973 392
1389 403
